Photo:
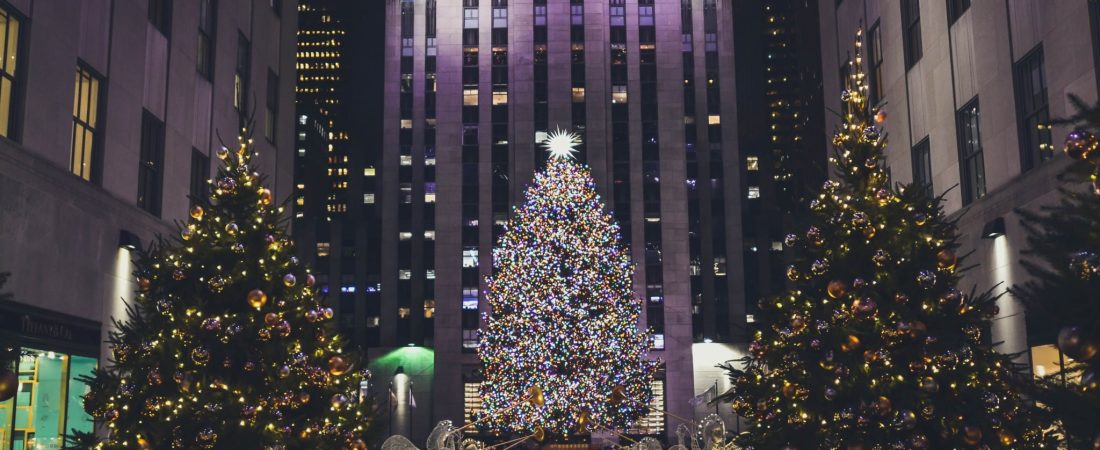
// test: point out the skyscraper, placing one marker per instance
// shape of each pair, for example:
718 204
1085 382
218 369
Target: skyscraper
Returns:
473 87
335 192
784 158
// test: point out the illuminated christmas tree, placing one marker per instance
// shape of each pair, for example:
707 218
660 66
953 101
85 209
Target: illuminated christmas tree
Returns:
226 344
875 347
1063 298
562 350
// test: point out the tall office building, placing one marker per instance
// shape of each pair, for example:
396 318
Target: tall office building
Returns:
780 97
968 89
472 88
335 223
110 115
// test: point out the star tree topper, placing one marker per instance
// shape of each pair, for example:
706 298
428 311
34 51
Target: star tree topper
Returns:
561 144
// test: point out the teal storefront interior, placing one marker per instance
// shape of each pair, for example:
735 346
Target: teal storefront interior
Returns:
57 349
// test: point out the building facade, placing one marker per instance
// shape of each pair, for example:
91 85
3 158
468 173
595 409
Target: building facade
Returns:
968 89
473 88
109 113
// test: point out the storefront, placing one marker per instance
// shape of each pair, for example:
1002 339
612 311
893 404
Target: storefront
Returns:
57 350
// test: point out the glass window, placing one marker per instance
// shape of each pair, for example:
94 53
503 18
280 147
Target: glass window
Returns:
752 163
469 97
754 192
272 116
874 55
911 37
10 29
922 166
200 172
654 421
160 15
472 399
151 165
618 94
85 111
48 402
955 9
208 16
1032 110
578 94
470 18
971 162
240 77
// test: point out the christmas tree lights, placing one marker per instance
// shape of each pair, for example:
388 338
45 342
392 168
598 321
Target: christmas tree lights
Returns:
875 347
562 350
226 344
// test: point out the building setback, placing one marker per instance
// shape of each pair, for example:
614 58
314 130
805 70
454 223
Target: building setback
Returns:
968 88
110 111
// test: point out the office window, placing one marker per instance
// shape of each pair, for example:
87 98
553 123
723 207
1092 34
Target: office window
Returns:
874 57
240 77
272 116
85 141
208 17
10 27
200 172
922 166
471 399
752 163
754 192
151 164
160 15
1032 110
911 38
971 162
654 421
955 9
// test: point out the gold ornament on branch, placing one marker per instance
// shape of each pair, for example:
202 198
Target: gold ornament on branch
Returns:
257 299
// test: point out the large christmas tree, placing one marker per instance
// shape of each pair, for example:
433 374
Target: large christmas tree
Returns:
226 344
875 347
1063 298
564 319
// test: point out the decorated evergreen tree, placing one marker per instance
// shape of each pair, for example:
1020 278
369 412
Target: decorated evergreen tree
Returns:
1064 293
874 347
562 351
226 344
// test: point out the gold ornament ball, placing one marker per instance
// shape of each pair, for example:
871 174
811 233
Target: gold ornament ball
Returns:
289 280
265 196
231 228
200 355
337 365
339 400
837 289
1006 437
197 212
223 153
972 435
357 444
271 319
257 298
880 116
946 259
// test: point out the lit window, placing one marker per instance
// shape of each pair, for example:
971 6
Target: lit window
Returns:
368 199
500 97
429 235
469 97
406 124
618 94
777 246
302 119
658 341
404 274
429 192
372 322
406 160
720 266
429 308
368 171
469 299
301 152
714 119
405 235
403 312
578 94
754 192
469 257
472 396
752 163
654 421
429 274
322 249
44 379
85 109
